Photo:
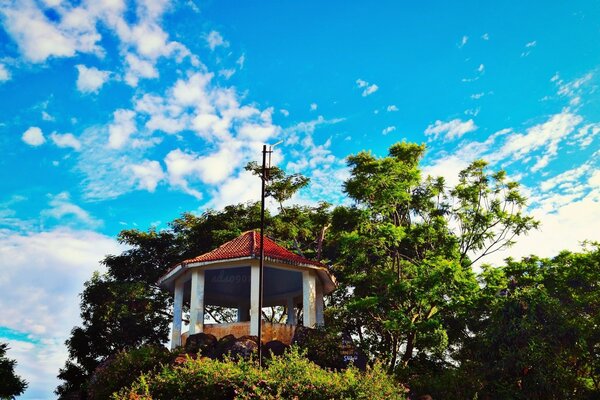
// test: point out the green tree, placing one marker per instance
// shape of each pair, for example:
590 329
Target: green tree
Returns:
11 385
124 308
538 335
405 248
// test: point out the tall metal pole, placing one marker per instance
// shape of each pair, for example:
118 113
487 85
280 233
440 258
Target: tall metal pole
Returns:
262 253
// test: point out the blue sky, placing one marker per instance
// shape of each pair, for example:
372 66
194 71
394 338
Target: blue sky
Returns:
121 115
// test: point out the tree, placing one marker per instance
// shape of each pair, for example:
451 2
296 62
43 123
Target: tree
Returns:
124 308
405 248
11 385
538 335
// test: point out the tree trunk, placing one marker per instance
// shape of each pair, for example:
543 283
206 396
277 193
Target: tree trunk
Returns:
410 346
320 240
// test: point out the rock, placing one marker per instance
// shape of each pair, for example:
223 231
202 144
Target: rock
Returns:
224 346
204 343
303 336
275 347
249 337
243 348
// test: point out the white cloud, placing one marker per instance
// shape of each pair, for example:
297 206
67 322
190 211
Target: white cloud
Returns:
227 73
186 167
546 136
65 140
481 68
463 41
41 277
106 170
313 107
476 96
214 40
284 112
574 89
47 117
450 130
447 167
240 188
62 209
563 227
392 108
147 174
367 87
485 36
4 73
241 61
122 127
40 38
389 129
586 134
33 136
528 47
138 68
90 80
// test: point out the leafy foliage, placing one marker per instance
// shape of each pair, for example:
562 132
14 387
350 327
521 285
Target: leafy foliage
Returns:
122 370
124 308
290 376
11 385
404 250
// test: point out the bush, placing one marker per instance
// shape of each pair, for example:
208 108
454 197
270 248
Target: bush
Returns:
124 368
290 376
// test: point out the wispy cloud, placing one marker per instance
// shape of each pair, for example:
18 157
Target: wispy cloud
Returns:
392 108
65 140
214 40
450 130
388 129
4 73
368 88
463 42
528 47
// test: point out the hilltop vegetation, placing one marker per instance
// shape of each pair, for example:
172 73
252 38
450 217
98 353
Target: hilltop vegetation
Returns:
403 254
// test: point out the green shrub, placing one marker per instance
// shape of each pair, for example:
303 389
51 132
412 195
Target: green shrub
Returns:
124 368
290 376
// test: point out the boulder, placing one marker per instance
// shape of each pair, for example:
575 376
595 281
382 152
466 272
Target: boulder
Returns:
204 343
275 347
243 348
223 346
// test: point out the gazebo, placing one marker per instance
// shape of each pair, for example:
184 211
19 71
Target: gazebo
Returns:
228 276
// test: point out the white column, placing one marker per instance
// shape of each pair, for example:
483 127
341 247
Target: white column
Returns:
291 311
177 314
254 311
197 302
320 319
309 297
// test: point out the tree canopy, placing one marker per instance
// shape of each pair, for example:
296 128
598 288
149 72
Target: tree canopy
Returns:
403 251
11 385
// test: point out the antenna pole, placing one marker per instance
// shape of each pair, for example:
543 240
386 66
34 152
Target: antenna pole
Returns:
262 250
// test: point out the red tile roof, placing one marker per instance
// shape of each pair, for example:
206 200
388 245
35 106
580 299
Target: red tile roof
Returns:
248 245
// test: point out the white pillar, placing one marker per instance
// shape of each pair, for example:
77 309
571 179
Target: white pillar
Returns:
291 311
320 319
309 297
254 311
177 314
197 302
